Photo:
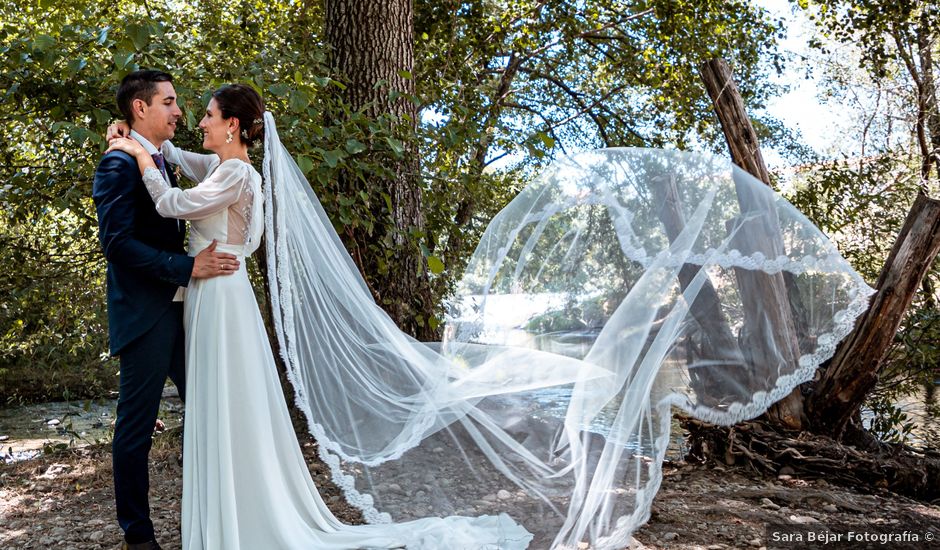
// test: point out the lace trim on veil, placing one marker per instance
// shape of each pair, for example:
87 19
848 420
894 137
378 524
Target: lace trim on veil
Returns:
281 296
279 269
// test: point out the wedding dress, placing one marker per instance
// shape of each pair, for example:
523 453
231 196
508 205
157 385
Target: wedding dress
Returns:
245 482
617 285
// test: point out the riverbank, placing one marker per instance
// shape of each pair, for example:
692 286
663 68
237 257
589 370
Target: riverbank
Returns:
65 501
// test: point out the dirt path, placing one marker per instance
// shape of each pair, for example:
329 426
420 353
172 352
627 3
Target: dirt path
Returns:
65 502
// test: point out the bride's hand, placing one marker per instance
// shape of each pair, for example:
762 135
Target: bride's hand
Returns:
130 146
118 129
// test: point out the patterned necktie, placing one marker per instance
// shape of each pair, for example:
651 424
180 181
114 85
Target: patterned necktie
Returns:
158 160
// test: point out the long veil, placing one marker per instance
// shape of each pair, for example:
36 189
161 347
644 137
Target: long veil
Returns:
619 284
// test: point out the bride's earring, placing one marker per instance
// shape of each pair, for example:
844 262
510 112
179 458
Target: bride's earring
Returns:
229 137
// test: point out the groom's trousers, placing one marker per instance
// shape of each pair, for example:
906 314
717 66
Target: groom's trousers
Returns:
145 365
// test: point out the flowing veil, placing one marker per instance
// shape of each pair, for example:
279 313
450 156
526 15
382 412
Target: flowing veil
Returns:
619 284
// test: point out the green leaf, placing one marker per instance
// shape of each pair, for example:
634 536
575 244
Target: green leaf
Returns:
405 74
305 164
121 59
354 146
298 101
140 36
332 158
397 146
101 116
279 89
435 265
76 65
43 42
546 139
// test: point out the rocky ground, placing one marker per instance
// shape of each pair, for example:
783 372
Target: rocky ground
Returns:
65 501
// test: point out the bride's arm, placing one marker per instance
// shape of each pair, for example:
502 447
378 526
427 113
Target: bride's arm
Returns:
221 189
195 166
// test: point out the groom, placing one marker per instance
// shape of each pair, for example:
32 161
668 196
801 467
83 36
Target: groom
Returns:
147 268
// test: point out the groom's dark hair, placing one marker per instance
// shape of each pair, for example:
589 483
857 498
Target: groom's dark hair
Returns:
140 84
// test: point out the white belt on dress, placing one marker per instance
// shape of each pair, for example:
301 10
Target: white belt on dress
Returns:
197 246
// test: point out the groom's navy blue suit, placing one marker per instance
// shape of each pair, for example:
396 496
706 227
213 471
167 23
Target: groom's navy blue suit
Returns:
147 262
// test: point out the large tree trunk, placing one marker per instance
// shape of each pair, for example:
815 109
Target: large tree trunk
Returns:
854 368
717 340
765 296
372 47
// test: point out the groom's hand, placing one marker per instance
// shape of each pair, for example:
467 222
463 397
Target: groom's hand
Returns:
210 263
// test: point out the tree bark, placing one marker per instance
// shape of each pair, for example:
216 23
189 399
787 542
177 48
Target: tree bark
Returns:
854 368
717 340
372 47
766 301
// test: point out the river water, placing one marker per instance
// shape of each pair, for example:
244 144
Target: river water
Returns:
28 431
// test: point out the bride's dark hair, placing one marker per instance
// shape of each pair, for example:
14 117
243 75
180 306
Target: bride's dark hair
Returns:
245 104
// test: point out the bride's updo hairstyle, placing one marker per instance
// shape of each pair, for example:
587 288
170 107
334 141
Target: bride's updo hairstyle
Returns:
245 104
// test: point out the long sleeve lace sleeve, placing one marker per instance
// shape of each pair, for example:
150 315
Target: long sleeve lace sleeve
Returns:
194 166
222 188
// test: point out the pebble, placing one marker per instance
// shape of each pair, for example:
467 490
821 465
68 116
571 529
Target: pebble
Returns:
767 503
670 536
97 536
803 520
490 498
53 422
503 494
755 543
831 508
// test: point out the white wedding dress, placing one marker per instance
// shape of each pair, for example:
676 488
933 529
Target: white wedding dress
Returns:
245 483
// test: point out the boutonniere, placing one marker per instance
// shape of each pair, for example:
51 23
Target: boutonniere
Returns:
177 172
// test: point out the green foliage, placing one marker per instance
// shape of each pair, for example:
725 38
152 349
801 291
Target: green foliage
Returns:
889 422
605 73
879 27
862 206
863 203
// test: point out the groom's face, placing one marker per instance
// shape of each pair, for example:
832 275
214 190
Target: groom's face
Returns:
157 121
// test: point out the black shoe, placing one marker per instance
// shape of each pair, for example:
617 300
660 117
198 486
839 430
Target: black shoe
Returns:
151 545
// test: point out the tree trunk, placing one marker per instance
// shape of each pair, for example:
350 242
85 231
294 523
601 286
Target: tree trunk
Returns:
765 296
854 368
372 47
717 340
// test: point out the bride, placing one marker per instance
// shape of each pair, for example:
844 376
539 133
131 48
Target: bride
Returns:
619 284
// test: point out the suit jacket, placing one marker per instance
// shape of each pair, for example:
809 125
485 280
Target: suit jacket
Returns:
147 261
